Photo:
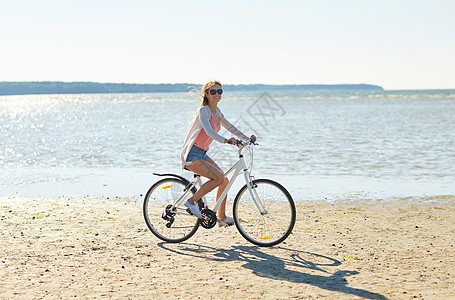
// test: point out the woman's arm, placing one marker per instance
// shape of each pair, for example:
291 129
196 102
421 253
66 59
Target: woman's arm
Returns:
231 128
204 116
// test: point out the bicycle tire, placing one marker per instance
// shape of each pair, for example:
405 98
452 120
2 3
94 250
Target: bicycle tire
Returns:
268 229
161 194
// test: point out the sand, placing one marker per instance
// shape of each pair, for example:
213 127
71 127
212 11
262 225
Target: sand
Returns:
95 247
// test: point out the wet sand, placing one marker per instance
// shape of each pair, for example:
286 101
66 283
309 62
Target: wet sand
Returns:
94 247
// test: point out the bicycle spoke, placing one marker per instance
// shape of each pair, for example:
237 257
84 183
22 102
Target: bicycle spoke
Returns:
171 226
272 227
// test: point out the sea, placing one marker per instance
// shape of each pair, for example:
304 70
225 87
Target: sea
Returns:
319 144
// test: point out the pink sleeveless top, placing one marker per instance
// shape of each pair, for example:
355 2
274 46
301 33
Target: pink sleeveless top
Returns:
203 141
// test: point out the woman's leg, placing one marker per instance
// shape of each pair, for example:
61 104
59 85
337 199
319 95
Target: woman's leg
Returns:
222 208
206 169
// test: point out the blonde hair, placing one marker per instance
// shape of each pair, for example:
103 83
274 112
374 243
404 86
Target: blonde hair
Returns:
203 96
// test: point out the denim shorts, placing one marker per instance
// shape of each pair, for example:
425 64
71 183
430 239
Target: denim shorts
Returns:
195 154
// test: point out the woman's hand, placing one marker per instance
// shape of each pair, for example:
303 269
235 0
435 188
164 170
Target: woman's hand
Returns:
232 141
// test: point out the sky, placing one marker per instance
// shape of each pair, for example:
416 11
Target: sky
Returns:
397 44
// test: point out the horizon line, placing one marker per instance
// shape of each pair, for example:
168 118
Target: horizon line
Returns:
372 86
110 82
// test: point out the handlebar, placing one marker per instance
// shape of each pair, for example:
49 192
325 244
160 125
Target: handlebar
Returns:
240 143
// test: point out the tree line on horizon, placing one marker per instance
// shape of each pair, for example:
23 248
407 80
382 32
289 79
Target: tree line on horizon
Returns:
57 87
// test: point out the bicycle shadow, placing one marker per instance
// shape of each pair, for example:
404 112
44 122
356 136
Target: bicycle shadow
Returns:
273 267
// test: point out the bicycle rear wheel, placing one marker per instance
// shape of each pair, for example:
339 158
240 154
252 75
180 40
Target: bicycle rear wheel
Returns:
273 226
170 226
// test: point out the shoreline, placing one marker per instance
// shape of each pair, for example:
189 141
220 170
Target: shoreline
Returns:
134 183
94 247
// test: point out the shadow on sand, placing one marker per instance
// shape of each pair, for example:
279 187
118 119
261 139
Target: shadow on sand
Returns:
273 267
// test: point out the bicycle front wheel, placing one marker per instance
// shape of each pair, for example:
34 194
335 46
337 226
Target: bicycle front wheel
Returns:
273 221
173 226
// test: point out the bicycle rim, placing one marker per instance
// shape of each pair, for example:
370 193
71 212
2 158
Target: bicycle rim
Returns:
267 229
163 193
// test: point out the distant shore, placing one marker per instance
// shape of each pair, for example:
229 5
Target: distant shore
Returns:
98 247
58 87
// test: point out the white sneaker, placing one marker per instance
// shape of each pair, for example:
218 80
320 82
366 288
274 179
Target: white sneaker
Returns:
229 221
194 208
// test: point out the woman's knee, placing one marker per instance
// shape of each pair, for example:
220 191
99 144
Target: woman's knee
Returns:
221 179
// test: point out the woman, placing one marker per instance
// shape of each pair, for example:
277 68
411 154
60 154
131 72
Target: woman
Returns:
202 131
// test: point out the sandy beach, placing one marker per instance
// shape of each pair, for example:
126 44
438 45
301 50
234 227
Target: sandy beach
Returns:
95 247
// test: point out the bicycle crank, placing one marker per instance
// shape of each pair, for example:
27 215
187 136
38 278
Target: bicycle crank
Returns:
208 218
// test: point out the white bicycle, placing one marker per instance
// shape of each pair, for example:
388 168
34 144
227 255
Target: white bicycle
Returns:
263 210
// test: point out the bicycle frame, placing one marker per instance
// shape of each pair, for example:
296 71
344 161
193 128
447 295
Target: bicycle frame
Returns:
170 220
239 167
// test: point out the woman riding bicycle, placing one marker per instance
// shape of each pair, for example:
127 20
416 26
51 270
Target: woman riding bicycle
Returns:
202 131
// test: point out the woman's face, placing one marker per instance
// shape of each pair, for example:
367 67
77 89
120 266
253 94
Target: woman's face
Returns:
216 88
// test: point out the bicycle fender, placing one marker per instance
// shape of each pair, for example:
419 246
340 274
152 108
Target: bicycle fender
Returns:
173 175
187 182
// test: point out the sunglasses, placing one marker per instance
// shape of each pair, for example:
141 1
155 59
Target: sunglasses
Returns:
219 91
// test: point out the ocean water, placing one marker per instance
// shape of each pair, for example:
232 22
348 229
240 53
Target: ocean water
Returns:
319 144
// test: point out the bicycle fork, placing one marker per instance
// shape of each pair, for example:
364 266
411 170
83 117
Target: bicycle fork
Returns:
253 193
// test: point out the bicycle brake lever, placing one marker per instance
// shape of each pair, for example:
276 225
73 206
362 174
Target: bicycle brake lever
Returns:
251 141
